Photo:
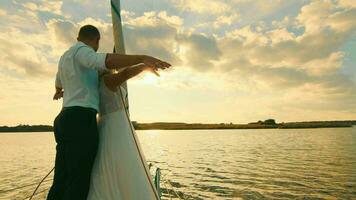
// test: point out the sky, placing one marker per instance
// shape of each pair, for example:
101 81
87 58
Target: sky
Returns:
233 61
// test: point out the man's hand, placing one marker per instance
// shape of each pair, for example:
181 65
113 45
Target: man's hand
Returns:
58 94
155 63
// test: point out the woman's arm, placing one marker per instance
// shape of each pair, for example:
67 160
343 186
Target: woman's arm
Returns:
112 81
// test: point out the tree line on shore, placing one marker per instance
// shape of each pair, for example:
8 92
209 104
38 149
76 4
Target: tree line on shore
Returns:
267 124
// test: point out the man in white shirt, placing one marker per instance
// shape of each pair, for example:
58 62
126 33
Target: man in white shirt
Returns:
75 127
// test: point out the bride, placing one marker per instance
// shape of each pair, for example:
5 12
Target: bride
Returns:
120 170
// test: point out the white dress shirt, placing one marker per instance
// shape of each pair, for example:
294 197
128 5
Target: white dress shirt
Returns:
78 76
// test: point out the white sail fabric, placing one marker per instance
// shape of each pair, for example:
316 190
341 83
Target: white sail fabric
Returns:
120 170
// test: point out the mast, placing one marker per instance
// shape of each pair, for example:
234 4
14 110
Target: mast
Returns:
118 38
120 48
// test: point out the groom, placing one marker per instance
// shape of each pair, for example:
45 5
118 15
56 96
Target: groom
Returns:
75 127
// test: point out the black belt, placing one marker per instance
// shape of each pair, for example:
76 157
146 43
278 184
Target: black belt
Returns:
80 108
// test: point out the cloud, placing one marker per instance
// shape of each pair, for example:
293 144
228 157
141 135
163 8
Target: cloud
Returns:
285 22
221 21
253 11
35 54
347 3
23 57
172 20
277 58
200 6
320 15
2 12
226 20
198 51
160 35
24 20
47 6
152 18
316 51
290 70
152 34
64 31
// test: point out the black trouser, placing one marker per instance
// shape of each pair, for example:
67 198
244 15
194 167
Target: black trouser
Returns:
76 134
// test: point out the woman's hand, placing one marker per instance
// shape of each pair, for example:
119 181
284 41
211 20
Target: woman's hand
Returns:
151 69
58 94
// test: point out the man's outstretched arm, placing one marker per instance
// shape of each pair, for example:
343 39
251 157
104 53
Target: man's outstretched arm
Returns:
87 57
117 61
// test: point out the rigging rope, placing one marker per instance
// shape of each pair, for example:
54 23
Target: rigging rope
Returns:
42 191
40 183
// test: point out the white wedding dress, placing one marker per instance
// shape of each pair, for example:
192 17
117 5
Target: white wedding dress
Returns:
120 171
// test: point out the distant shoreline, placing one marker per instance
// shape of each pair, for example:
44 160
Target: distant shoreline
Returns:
199 126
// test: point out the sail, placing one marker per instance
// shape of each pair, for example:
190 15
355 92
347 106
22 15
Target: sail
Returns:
120 48
118 38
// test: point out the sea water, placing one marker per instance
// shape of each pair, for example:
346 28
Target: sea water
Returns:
212 164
